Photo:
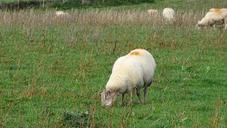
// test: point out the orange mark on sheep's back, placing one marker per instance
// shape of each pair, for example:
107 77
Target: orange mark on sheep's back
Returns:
215 10
136 52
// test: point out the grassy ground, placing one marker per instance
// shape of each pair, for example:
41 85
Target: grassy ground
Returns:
50 65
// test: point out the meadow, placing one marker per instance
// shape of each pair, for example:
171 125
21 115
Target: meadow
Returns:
51 65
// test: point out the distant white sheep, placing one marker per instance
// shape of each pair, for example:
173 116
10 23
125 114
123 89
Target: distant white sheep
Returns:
215 17
61 14
130 73
168 14
152 12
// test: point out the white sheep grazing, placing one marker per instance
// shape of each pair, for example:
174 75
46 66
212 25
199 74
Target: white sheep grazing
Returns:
61 14
152 12
131 72
215 17
168 14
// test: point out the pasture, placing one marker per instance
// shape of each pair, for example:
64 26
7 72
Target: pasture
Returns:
51 65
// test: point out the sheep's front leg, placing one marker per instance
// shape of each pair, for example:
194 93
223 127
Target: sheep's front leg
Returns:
131 96
225 23
138 95
145 90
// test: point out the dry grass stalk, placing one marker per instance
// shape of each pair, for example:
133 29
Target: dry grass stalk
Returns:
107 17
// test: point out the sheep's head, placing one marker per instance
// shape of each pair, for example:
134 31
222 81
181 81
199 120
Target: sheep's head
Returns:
200 24
108 97
210 23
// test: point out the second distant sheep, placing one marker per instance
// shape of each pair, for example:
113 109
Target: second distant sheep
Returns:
168 14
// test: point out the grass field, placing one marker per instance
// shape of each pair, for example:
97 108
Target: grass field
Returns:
50 65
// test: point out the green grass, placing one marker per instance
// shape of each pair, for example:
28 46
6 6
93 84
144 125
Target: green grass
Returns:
51 67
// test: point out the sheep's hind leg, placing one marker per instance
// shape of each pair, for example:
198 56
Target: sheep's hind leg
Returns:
144 94
138 95
145 90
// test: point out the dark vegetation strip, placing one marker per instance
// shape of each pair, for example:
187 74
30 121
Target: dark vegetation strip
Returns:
67 4
20 5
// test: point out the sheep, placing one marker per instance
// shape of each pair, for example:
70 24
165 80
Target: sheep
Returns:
215 17
61 14
130 73
152 12
168 14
